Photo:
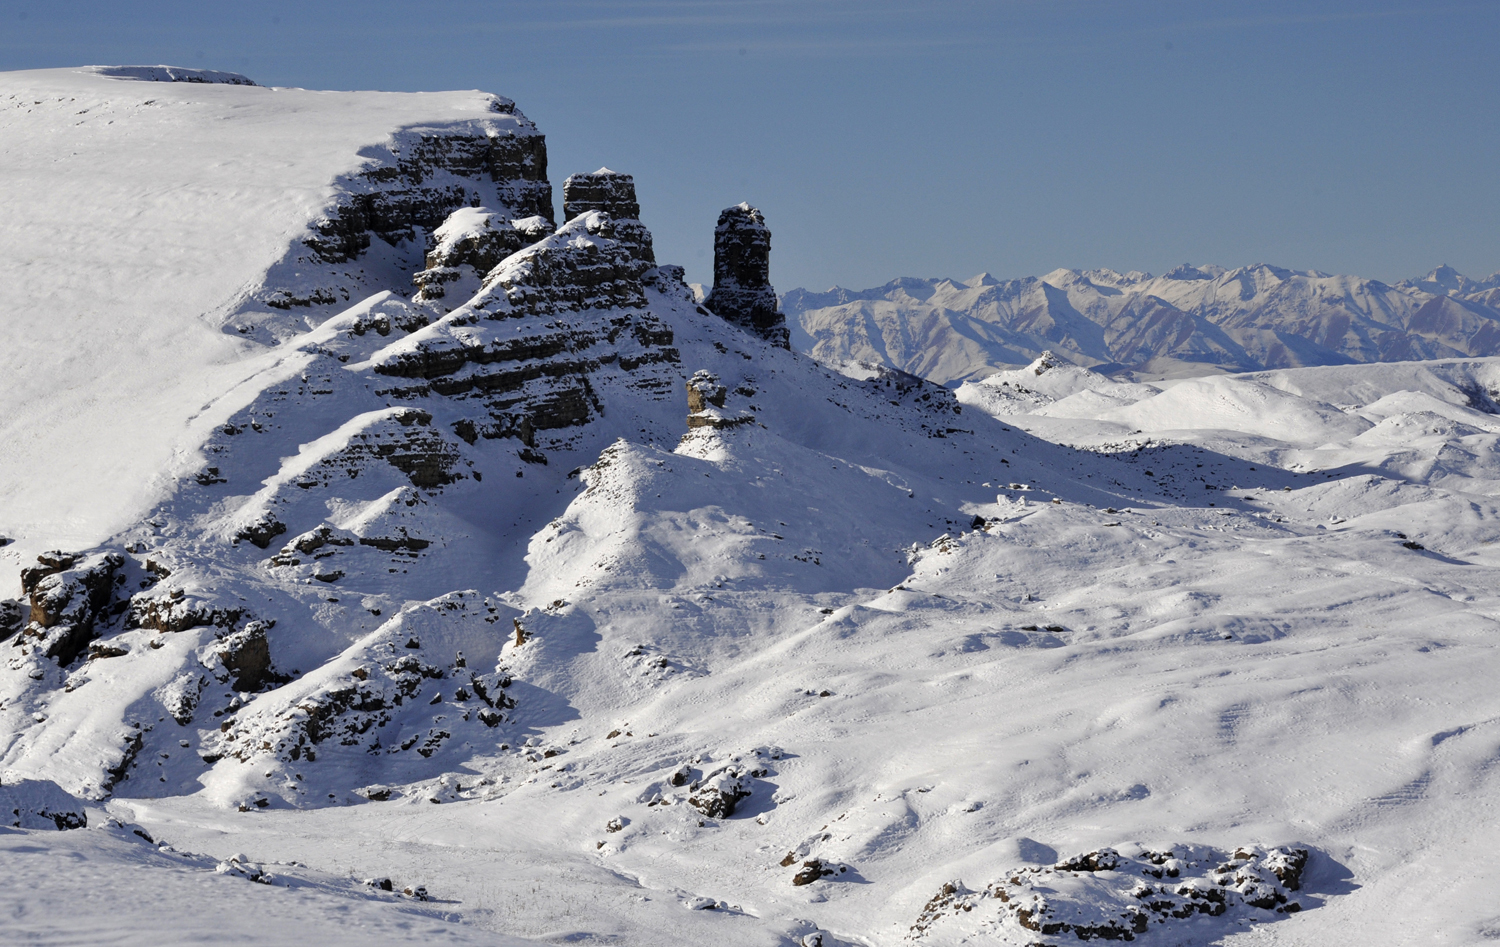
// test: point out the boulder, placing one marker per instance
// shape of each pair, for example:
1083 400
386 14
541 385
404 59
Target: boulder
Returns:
69 596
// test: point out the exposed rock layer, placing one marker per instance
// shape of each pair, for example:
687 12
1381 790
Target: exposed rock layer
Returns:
742 290
611 193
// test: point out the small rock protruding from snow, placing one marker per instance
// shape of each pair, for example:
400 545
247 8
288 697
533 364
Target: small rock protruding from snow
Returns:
1106 895
39 804
706 397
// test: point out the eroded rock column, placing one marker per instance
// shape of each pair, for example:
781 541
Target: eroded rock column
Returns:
742 291
611 193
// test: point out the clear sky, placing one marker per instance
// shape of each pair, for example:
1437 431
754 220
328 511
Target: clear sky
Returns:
887 138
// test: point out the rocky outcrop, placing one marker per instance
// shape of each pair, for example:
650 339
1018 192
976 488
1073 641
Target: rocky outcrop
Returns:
431 173
720 792
13 616
470 243
1104 895
742 291
380 217
611 193
526 346
386 695
706 397
70 595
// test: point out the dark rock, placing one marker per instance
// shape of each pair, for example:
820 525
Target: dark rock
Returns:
262 531
70 596
13 617
356 710
704 391
246 655
39 804
471 242
742 292
1080 896
393 543
811 871
706 397
1105 859
175 612
427 179
611 193
581 311
719 793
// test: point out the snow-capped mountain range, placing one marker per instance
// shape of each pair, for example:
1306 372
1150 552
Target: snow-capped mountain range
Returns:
1190 320
388 558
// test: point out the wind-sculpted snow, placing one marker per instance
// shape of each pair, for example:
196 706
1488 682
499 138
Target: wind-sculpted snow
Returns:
568 609
1215 319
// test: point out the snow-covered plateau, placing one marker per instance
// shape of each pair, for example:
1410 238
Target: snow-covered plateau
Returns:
297 646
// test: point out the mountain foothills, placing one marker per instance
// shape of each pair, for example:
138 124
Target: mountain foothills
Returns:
388 558
1189 320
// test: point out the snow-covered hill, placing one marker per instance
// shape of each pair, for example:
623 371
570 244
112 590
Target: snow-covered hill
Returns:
547 603
1190 320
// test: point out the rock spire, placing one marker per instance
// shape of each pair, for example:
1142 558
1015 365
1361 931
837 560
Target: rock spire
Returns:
612 193
742 291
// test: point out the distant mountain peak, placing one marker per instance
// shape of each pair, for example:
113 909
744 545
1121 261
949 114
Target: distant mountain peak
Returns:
1188 271
1248 318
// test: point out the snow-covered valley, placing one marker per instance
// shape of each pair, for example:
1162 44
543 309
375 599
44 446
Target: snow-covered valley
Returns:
394 563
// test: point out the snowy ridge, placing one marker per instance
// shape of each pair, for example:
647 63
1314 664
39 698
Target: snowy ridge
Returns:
586 614
168 74
1189 320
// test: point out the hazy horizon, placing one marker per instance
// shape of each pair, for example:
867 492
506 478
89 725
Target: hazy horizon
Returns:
900 139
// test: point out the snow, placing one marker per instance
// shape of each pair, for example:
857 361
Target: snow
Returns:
138 217
930 645
168 74
1190 320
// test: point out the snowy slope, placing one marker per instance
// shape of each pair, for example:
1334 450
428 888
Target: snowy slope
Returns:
141 216
604 620
1190 320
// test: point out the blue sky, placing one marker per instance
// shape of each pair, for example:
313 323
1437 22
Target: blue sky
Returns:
887 139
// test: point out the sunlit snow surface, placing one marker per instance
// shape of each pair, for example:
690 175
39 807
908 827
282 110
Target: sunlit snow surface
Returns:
1248 611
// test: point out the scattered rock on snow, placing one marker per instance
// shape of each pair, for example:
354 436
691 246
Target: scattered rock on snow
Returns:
1108 896
39 804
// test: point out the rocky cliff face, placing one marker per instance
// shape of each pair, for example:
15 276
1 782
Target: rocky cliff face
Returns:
524 347
742 290
342 473
470 243
611 193
378 228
